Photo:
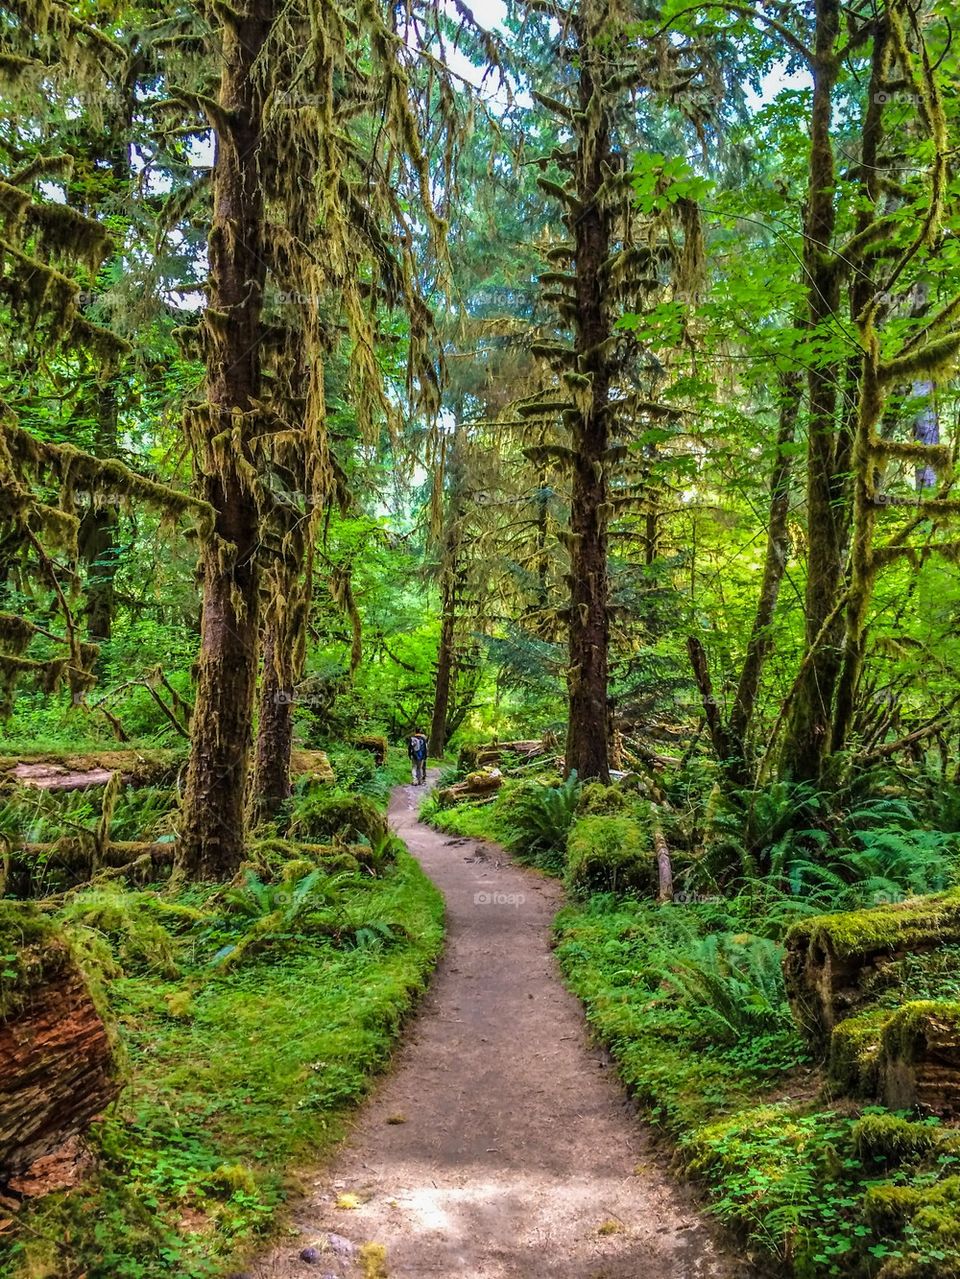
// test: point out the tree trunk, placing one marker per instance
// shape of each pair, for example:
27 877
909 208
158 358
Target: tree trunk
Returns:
926 430
97 536
869 402
809 731
587 746
274 735
445 659
774 566
212 837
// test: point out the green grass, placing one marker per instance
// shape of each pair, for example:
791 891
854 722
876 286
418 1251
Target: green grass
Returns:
472 821
236 1079
790 1172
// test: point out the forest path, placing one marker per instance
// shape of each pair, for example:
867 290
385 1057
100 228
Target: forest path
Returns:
500 1145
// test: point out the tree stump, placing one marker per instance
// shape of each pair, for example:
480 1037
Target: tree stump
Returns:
57 1063
919 1062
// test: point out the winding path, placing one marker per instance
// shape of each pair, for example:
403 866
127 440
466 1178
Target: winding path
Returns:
500 1145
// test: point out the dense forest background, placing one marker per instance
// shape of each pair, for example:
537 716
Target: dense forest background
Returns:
577 377
617 384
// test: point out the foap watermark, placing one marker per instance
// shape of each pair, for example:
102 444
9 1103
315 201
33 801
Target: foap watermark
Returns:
291 697
696 899
490 897
883 96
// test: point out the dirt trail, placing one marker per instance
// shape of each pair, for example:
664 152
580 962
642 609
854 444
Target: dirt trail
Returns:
501 1144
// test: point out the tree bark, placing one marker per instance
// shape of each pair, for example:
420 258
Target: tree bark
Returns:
587 745
57 1071
808 737
212 837
274 735
774 566
444 682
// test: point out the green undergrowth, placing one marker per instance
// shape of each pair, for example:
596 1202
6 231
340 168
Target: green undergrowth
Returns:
251 1021
690 1000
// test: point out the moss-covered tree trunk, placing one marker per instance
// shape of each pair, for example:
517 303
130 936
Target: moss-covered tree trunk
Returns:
587 746
97 535
212 836
446 653
774 566
274 733
809 728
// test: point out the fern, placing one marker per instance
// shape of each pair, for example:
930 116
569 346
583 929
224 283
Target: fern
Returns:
540 819
731 987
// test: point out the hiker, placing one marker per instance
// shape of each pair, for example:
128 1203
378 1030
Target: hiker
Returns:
417 750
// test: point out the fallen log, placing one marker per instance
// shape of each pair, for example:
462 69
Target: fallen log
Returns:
74 772
832 960
58 1069
491 753
377 746
476 786
34 870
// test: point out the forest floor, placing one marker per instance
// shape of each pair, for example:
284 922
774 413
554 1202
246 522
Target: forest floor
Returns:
501 1144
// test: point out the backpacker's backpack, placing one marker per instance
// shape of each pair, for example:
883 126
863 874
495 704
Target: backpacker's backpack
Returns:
418 747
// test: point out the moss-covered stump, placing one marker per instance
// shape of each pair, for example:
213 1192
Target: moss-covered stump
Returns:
919 1060
313 764
57 1065
345 819
607 854
831 959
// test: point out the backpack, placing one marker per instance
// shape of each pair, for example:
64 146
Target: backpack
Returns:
418 747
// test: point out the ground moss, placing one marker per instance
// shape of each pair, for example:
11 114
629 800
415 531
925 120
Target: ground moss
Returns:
925 1221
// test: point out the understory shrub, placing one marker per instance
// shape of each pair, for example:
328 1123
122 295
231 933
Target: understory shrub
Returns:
536 820
318 818
609 854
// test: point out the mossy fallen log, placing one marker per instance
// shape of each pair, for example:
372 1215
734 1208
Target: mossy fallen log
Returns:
492 753
312 764
377 746
919 1059
58 1070
832 960
36 870
72 771
478 785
